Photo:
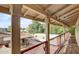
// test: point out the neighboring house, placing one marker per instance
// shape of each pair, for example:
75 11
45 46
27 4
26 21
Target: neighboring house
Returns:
1 40
3 29
23 30
42 36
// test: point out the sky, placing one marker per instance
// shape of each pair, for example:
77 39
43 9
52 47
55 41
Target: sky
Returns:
5 21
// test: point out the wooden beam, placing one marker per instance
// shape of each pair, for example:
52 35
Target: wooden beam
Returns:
75 8
65 28
36 16
26 13
62 23
32 8
59 41
32 18
72 20
9 11
38 6
37 19
4 10
16 28
71 15
48 7
60 10
47 35
67 9
68 15
42 8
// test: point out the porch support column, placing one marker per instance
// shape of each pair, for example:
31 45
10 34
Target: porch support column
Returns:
59 41
65 30
16 13
77 31
47 20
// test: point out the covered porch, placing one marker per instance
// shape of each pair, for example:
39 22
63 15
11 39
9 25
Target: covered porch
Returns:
65 15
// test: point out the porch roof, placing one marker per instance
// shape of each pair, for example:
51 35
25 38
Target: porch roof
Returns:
60 14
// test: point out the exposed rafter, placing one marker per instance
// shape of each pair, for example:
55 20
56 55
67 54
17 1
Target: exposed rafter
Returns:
60 10
38 6
44 9
36 16
7 11
37 9
26 13
59 20
4 10
32 8
40 12
48 7
10 9
72 21
70 13
71 17
41 20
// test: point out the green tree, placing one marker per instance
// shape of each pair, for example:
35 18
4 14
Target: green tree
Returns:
35 27
72 30
54 29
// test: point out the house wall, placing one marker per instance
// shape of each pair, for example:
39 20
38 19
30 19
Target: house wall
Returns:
3 29
77 31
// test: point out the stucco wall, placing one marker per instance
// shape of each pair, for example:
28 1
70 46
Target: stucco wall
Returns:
77 31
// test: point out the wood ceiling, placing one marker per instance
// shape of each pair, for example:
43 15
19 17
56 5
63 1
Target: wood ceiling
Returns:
60 14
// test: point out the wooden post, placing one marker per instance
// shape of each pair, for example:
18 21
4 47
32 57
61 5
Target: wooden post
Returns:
47 20
77 31
64 36
65 30
16 13
59 41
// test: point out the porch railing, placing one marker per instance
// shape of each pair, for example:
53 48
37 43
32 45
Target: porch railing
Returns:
56 44
60 42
